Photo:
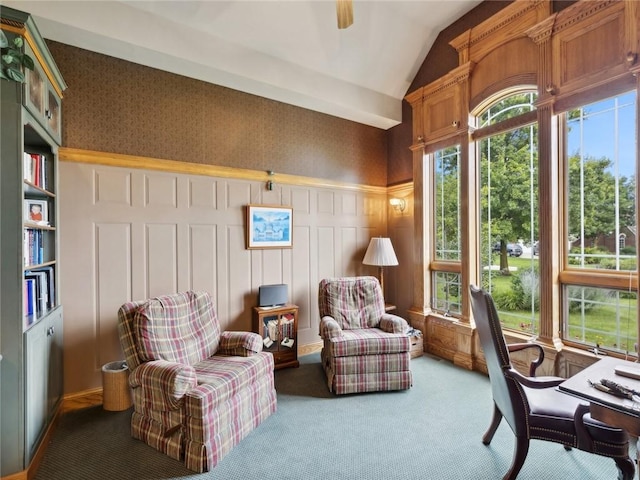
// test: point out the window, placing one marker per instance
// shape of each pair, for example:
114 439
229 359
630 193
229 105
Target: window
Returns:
446 200
601 183
509 208
600 256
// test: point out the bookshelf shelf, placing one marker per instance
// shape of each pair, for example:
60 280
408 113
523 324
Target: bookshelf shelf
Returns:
278 328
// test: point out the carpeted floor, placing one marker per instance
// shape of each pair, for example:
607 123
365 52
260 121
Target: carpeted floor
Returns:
432 431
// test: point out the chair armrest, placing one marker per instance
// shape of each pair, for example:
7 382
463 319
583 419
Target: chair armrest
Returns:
584 440
163 383
516 347
329 328
534 382
393 323
242 344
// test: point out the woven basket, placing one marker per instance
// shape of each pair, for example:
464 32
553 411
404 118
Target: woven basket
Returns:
116 394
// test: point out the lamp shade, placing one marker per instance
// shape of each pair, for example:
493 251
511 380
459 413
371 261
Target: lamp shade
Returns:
380 253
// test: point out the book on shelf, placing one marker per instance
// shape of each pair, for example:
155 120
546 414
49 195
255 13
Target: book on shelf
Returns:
33 248
34 169
29 299
42 289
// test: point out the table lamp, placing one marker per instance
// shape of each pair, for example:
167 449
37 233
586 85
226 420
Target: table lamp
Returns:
380 253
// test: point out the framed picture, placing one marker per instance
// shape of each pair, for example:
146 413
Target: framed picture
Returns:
269 226
35 211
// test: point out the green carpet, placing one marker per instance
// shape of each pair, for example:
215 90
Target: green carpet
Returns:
432 431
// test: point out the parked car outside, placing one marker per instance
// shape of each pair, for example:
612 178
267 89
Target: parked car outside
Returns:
513 249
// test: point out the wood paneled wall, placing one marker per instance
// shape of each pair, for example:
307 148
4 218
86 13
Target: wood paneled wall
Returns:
129 233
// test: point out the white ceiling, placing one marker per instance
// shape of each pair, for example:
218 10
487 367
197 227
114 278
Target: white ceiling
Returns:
286 50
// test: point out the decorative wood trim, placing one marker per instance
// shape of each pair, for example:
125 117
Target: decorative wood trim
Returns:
489 91
80 400
509 124
23 475
588 278
446 266
147 163
505 18
309 348
451 79
581 11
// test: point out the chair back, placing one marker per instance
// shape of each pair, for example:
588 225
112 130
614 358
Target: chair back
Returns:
506 392
354 302
181 327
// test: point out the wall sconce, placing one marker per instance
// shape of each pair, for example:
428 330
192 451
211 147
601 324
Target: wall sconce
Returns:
270 183
398 204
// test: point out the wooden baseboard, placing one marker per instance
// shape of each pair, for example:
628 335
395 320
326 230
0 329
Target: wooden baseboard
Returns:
309 348
79 400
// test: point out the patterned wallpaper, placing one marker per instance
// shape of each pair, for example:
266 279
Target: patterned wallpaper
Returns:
116 106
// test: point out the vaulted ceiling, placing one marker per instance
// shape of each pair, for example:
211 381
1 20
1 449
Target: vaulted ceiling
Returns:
287 50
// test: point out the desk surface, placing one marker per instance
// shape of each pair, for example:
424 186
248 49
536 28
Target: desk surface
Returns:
578 385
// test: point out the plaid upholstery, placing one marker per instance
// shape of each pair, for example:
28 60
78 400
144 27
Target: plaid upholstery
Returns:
365 348
212 433
367 341
239 343
353 302
229 375
163 383
180 328
190 404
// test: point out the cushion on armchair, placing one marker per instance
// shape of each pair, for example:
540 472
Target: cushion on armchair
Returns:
353 302
179 328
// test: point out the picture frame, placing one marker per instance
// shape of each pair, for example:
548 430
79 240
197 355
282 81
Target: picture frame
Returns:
269 226
36 211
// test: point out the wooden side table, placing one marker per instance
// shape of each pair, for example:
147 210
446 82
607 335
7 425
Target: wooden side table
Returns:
278 327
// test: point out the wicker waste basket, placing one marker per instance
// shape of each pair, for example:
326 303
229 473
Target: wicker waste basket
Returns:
116 394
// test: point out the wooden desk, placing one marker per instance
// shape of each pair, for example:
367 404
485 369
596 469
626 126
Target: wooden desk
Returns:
612 410
605 407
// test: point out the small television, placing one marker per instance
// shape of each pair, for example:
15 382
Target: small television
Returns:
273 295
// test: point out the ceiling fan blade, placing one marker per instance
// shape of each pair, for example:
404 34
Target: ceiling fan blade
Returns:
345 13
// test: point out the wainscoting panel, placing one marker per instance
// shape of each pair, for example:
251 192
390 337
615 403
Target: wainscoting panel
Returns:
113 187
130 234
161 259
113 260
202 257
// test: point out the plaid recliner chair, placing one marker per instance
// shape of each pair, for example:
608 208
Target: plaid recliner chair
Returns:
365 349
196 391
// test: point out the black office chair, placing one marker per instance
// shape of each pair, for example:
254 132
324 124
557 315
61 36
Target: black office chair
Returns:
533 407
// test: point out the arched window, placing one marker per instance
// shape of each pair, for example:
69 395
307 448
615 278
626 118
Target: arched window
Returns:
507 143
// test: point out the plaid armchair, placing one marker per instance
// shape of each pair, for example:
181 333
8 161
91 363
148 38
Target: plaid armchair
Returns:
196 391
365 349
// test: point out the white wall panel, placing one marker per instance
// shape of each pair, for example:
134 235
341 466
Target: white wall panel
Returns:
202 193
161 253
113 187
161 191
158 233
202 257
113 260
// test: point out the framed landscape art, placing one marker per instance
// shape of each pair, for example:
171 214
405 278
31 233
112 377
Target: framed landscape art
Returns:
269 226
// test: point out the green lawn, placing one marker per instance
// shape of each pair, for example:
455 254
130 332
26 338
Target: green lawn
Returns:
611 326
